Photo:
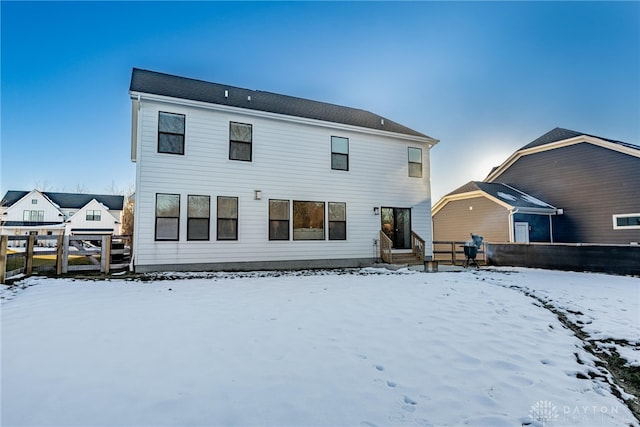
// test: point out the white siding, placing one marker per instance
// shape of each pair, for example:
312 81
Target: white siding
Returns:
291 161
16 211
78 221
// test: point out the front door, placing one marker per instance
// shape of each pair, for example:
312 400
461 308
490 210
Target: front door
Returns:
396 224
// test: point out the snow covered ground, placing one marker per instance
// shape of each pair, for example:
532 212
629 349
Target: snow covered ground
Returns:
344 348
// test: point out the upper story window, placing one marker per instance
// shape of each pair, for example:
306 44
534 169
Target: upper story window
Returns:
167 216
34 201
93 215
415 162
626 221
339 153
198 217
308 220
171 133
227 218
33 216
240 141
278 220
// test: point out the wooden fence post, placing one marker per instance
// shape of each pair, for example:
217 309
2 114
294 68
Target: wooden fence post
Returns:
59 254
65 254
28 268
3 258
453 253
105 254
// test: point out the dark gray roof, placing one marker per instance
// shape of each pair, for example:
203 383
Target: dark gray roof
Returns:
509 195
152 82
559 134
68 200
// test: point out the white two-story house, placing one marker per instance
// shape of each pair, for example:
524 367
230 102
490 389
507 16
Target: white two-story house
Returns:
231 178
53 213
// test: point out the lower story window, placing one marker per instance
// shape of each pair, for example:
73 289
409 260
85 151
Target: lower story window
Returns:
198 217
278 220
227 218
337 221
308 220
167 216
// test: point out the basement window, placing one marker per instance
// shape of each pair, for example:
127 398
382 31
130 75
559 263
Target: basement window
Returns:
626 221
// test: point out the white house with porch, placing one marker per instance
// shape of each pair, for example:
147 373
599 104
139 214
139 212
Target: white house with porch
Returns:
232 178
53 213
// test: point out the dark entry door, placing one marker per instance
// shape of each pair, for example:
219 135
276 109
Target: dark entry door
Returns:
396 224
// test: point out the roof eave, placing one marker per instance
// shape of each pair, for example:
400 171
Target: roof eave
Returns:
295 119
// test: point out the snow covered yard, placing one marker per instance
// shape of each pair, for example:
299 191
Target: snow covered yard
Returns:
346 348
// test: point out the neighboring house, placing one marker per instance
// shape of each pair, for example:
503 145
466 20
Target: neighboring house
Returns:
588 188
497 212
231 178
52 213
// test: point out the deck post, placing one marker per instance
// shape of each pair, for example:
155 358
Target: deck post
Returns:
3 258
65 254
105 254
28 268
59 254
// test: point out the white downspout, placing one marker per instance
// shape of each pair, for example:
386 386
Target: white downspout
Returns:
512 237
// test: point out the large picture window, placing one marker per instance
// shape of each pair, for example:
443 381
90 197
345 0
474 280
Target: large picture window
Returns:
415 162
240 141
167 216
626 221
308 220
337 221
227 218
198 217
171 133
339 153
278 220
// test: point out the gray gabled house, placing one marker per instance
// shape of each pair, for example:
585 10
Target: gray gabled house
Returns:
589 185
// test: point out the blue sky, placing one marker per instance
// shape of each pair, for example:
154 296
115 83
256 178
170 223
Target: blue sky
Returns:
485 78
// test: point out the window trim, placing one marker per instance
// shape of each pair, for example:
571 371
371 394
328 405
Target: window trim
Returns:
155 234
324 220
39 215
183 134
339 154
415 163
189 218
218 218
93 215
625 227
329 221
288 220
231 142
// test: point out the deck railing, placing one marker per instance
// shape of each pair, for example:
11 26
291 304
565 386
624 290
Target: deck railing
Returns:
418 245
385 248
452 252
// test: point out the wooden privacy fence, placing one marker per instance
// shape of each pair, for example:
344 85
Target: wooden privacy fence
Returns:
447 252
62 254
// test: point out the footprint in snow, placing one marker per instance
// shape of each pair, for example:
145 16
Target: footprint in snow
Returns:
391 384
379 367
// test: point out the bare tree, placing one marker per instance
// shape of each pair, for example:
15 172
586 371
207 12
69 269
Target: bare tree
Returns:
127 213
43 186
81 189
